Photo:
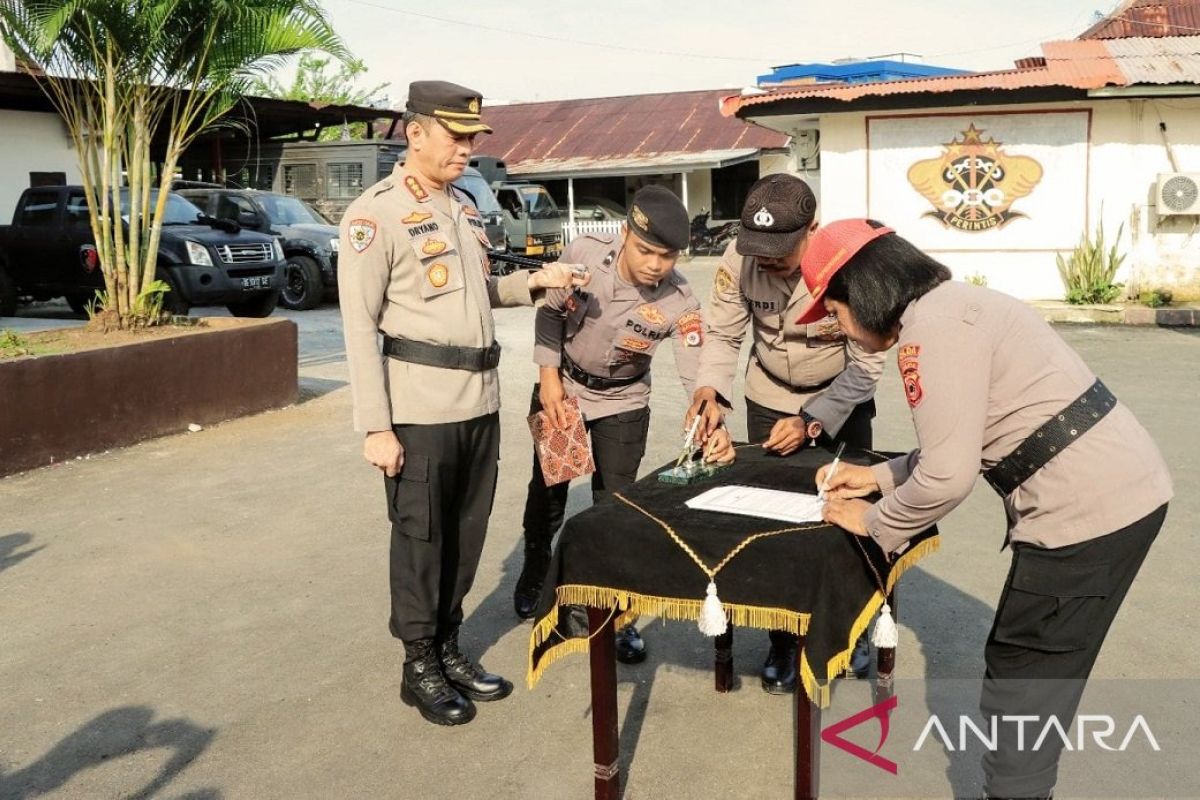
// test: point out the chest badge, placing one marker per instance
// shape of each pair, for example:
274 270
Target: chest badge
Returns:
651 314
416 218
433 247
438 275
361 233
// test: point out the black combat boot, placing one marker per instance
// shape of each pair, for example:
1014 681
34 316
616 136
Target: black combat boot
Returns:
425 687
630 647
469 678
533 575
779 670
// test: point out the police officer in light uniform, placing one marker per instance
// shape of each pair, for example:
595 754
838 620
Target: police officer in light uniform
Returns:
993 389
596 346
413 267
803 382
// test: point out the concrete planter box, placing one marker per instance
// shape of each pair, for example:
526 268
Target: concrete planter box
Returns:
1184 316
57 407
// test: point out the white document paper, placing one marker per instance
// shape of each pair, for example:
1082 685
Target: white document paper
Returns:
751 501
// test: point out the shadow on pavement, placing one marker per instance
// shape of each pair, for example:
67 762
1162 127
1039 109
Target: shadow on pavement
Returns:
115 734
10 544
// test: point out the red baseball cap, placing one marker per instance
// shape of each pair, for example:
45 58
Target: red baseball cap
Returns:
830 249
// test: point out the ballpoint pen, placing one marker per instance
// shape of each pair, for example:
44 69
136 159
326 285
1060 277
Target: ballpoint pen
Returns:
837 459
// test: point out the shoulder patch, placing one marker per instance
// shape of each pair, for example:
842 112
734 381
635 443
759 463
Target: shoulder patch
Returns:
910 373
691 326
723 280
361 232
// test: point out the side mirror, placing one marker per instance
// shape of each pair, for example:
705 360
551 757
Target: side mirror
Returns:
249 219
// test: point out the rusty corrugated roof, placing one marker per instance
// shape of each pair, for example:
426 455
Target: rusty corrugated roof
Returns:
1159 61
1148 18
604 128
1079 64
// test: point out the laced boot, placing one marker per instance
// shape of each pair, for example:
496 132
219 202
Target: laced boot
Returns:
425 687
467 677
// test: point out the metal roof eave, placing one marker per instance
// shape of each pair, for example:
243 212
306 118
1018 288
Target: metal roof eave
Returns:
650 165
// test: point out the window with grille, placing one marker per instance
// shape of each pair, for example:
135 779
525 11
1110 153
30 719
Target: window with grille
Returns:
345 181
300 180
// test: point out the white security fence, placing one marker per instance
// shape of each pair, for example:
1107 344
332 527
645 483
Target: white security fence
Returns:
572 229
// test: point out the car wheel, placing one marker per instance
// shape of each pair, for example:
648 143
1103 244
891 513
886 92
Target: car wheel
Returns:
174 303
302 286
8 295
260 306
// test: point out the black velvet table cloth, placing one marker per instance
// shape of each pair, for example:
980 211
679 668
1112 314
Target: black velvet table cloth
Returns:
816 581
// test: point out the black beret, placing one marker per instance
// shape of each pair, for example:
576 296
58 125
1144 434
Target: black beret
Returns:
658 217
456 107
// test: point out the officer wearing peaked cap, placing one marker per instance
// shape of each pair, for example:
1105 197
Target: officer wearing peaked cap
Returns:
597 347
803 382
413 267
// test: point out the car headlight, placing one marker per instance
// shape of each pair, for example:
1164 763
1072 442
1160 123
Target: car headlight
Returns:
198 254
333 245
278 250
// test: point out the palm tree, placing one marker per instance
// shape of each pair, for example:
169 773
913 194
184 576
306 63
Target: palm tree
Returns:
123 73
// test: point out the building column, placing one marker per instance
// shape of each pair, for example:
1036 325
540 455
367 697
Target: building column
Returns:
571 208
684 175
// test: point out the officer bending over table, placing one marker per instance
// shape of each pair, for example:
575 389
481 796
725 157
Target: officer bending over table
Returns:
994 390
803 382
596 346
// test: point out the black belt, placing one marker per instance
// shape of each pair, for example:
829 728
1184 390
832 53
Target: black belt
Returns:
780 382
1051 439
474 359
595 382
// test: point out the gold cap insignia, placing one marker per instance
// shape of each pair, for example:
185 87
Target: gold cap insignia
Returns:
639 218
473 106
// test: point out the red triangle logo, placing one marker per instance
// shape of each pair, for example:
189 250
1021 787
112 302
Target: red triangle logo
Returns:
880 711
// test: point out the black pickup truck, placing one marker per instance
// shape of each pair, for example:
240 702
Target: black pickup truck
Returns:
49 252
310 243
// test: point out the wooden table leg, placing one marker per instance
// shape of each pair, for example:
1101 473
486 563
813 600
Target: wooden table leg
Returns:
602 655
723 666
808 738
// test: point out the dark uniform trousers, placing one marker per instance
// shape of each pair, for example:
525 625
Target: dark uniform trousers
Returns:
439 508
855 432
618 444
1055 610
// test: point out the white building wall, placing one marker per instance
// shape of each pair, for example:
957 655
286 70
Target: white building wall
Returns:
1126 154
31 142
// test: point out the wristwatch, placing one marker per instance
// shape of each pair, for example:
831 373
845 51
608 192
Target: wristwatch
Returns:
812 425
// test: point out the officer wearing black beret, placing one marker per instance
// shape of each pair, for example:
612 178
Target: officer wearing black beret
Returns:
595 347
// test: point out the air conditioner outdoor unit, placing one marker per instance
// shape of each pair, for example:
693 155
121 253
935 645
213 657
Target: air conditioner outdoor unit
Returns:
1178 193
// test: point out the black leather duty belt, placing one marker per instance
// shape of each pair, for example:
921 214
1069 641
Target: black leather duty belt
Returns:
473 359
1050 439
595 382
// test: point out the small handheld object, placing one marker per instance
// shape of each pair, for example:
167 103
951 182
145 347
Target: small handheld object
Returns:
837 459
687 469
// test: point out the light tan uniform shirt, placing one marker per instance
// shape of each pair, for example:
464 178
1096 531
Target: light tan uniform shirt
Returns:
412 265
982 372
787 358
612 329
